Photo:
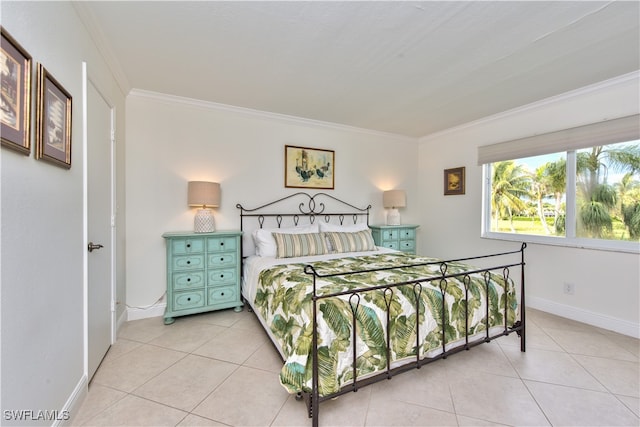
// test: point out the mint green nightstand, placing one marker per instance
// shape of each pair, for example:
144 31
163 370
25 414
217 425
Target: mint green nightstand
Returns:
399 237
203 272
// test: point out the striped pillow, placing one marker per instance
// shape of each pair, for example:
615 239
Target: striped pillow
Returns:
297 245
351 242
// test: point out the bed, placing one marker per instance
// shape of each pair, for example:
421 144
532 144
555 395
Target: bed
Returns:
343 312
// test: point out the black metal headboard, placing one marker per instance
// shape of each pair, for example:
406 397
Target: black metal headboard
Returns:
290 210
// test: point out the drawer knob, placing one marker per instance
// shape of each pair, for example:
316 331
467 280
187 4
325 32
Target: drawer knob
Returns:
188 262
189 279
221 243
221 259
189 299
188 245
221 294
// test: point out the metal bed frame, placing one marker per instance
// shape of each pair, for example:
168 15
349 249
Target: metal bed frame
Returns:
312 208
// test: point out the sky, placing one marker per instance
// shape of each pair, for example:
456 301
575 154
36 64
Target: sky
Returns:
533 163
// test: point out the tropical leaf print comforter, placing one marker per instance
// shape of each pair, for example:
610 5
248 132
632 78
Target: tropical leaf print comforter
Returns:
284 300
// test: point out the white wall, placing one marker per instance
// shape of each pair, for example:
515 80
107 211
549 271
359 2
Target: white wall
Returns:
171 141
43 248
607 283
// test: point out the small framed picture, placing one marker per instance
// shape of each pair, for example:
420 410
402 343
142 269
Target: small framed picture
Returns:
15 111
53 118
454 181
308 167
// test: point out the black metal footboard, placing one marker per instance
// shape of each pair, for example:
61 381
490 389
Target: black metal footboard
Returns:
441 281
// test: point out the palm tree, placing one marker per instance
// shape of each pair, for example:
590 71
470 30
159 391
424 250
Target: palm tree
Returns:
510 182
540 189
556 175
629 195
631 215
596 198
595 216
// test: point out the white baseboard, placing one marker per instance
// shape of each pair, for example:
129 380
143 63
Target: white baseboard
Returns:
124 316
585 316
156 310
73 404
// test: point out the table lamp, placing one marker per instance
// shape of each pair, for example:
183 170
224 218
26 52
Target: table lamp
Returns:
394 199
205 195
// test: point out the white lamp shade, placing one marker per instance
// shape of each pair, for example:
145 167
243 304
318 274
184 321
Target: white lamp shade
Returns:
203 194
394 199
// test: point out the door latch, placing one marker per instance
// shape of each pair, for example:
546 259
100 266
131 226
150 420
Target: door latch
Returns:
92 246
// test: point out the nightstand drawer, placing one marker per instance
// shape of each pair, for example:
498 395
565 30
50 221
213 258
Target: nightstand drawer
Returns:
222 260
390 234
187 246
390 245
188 262
221 244
407 245
407 233
189 280
222 277
222 295
188 300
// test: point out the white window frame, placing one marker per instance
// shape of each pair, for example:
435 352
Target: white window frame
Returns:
606 132
569 240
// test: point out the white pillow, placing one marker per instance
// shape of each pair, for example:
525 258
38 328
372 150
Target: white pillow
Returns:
266 243
326 227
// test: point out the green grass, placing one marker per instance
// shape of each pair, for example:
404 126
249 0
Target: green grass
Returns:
532 225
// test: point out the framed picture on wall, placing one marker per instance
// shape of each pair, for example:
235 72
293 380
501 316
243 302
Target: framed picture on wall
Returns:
53 118
308 167
15 111
454 181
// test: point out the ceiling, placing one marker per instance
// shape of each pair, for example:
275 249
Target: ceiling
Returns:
409 68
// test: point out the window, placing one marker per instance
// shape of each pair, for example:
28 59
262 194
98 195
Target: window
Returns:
586 196
528 196
608 192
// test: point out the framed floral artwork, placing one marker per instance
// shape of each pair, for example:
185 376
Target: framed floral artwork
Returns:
15 91
308 167
53 118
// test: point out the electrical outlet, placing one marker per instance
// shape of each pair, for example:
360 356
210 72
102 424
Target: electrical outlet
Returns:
569 288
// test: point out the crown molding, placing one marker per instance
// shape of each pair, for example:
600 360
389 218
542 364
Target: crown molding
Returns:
101 42
623 79
266 115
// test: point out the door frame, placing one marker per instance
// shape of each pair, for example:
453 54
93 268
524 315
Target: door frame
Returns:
86 80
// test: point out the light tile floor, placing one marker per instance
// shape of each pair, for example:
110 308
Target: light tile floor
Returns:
219 369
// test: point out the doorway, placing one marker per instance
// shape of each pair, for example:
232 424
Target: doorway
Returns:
100 131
